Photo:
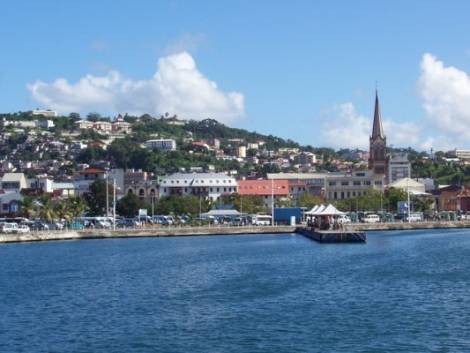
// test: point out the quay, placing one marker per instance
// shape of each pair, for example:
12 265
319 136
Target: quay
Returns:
143 232
352 232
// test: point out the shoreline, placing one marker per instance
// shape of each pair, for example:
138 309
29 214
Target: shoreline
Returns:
213 231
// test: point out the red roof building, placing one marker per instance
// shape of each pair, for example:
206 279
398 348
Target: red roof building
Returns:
279 188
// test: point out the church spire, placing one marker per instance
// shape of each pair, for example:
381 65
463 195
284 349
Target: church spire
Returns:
377 129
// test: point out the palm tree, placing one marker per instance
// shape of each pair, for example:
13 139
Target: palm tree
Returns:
46 212
63 211
28 208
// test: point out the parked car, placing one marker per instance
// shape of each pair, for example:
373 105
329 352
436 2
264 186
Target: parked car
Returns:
22 229
38 225
8 228
343 219
127 223
414 217
371 218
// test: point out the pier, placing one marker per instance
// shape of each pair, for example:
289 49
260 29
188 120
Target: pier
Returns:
333 236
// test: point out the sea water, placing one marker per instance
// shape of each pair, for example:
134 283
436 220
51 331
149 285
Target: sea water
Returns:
406 291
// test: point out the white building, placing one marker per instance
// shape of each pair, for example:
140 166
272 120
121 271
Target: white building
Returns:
241 152
346 186
462 154
46 113
399 167
161 144
207 185
14 182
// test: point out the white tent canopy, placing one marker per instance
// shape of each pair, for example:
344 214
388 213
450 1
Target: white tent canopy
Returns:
324 210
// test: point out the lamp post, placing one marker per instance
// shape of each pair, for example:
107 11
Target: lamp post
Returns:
107 193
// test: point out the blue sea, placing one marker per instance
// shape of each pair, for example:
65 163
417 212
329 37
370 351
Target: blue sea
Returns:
406 291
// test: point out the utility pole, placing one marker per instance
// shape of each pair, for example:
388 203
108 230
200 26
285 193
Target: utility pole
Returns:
408 196
272 202
114 203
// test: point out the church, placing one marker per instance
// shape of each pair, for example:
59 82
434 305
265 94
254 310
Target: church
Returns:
378 157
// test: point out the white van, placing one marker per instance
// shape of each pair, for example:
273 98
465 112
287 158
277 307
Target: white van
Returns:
6 227
371 218
261 220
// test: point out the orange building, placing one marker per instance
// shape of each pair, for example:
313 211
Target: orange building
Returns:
264 188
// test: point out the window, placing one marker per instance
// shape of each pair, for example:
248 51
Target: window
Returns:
378 182
332 183
367 182
356 183
345 183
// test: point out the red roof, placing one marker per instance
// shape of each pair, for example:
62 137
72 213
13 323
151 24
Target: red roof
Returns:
263 187
92 171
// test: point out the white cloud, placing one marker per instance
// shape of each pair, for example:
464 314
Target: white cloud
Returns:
347 128
446 101
177 87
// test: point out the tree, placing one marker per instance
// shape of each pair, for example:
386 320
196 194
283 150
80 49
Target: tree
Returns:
393 196
309 200
246 204
46 211
77 206
63 211
96 197
28 209
181 205
129 205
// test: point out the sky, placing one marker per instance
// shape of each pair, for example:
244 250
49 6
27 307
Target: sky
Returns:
304 70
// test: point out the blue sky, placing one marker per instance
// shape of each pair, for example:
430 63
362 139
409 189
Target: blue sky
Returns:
298 69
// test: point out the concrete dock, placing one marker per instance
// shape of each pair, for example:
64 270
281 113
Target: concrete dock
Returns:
333 236
144 232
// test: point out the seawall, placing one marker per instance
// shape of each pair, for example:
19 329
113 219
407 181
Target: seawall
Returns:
407 226
213 230
139 233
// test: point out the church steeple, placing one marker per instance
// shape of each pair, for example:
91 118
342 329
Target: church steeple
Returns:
378 159
377 129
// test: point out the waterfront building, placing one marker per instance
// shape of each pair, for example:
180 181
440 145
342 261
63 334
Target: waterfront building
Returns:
346 186
378 159
407 184
140 183
161 144
314 183
210 186
10 201
453 198
399 167
269 190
